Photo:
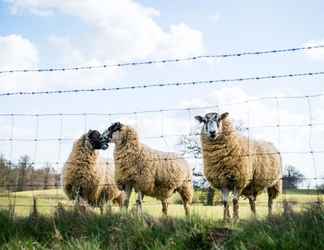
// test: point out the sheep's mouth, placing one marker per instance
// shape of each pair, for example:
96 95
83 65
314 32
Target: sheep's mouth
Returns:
106 137
99 145
212 136
104 145
96 140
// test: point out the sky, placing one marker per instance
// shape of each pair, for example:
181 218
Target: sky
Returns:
58 33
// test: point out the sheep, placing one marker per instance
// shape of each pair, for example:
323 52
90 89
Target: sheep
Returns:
233 162
150 172
87 176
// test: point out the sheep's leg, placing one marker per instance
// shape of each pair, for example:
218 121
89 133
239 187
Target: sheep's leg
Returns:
186 208
235 204
101 208
128 191
77 198
272 193
139 203
252 199
186 192
119 200
165 207
226 215
109 206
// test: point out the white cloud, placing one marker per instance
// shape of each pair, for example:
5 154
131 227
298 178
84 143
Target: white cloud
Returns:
116 31
120 29
18 52
316 54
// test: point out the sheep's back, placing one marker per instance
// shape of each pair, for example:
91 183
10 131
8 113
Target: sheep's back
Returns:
161 173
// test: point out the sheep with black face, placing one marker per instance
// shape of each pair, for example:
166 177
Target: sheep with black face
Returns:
87 176
150 172
234 163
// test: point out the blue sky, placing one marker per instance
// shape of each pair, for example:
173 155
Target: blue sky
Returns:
46 33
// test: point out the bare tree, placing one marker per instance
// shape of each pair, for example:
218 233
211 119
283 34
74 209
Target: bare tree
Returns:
292 177
24 165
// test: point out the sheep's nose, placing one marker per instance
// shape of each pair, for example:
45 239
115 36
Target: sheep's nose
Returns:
212 133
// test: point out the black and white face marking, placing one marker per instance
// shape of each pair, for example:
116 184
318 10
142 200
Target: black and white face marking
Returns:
210 124
96 140
108 134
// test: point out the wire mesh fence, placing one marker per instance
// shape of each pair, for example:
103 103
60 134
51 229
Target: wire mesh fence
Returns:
32 157
38 173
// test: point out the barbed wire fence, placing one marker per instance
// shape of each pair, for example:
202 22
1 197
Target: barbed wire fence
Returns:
13 197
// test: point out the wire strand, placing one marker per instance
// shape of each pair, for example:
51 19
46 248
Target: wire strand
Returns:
163 61
159 85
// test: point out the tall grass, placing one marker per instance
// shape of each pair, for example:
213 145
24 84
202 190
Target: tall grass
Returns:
303 230
70 229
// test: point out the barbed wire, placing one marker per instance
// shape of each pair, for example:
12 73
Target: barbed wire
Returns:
167 84
162 61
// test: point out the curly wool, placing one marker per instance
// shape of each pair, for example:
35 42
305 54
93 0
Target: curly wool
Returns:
85 173
232 159
154 173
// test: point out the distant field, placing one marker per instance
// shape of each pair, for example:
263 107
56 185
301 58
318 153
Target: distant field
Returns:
47 200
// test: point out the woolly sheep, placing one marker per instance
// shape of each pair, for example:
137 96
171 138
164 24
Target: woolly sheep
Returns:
235 163
87 176
150 172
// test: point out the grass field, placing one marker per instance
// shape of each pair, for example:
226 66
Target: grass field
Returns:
66 228
70 229
47 201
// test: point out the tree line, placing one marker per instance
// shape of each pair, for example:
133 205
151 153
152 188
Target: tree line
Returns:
25 176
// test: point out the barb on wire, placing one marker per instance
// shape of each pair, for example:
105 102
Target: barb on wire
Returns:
158 85
163 61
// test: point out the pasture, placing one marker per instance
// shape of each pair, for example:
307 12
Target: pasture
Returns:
66 228
47 201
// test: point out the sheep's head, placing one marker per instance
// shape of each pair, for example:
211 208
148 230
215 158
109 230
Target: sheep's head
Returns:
113 133
211 123
95 140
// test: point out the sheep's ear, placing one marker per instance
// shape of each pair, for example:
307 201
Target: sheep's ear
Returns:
117 126
223 116
199 118
214 116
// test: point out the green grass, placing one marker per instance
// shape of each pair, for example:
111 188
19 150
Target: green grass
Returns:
69 229
302 230
47 201
65 228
